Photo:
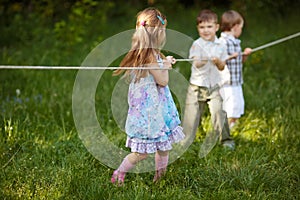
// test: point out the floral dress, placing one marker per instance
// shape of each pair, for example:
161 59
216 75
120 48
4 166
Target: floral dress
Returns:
153 121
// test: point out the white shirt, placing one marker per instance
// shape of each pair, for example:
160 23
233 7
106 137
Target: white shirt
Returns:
208 75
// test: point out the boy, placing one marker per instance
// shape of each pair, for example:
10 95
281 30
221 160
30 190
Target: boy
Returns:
209 56
232 93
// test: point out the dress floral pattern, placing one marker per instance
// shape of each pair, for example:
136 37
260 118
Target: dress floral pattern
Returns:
153 121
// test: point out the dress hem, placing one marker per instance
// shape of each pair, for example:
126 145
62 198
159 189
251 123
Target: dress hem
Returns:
140 147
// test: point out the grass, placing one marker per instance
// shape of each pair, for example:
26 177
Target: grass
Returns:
42 157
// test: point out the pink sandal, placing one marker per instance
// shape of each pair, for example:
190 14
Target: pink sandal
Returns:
159 174
118 177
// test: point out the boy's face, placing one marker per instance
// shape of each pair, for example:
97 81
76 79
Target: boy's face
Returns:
237 30
207 30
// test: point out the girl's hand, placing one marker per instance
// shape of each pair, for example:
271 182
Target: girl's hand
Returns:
168 62
171 59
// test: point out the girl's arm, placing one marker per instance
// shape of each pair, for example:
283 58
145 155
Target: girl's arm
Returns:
161 76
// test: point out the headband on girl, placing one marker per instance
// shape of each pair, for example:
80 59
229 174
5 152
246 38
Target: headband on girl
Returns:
143 23
161 19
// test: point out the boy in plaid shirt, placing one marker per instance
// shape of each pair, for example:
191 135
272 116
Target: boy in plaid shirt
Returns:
233 100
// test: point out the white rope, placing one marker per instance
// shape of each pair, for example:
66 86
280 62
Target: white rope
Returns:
134 68
74 67
86 67
276 42
184 59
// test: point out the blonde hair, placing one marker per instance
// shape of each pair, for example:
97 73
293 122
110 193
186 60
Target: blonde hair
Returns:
147 40
230 19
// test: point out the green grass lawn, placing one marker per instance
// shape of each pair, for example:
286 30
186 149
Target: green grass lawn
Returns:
42 157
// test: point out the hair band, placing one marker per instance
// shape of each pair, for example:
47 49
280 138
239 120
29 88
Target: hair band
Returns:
161 19
143 23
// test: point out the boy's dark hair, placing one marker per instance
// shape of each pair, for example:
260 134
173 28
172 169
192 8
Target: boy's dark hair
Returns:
230 19
206 16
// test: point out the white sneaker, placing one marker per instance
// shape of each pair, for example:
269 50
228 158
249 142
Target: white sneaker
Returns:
229 145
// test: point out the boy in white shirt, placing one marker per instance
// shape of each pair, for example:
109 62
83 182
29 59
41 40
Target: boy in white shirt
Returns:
209 56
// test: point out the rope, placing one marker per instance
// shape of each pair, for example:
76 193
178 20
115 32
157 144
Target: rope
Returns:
275 42
86 67
134 68
73 67
184 59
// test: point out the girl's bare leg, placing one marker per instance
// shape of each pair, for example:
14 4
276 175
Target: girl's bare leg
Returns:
161 163
128 163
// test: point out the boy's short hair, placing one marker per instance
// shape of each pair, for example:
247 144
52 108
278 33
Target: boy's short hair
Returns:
207 16
230 19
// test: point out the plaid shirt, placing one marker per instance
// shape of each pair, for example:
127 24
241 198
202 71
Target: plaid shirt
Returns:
234 65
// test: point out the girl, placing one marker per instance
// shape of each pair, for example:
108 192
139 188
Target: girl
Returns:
152 123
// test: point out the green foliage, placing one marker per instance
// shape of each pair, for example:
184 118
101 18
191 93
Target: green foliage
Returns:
74 29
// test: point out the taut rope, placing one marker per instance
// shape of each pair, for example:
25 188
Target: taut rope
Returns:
134 68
